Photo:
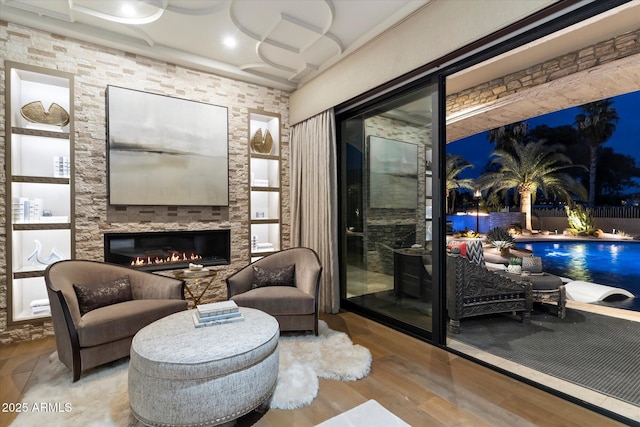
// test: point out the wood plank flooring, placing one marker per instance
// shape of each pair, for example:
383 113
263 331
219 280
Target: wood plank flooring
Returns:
423 385
19 366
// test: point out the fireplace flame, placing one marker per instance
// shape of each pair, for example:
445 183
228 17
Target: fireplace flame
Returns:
171 259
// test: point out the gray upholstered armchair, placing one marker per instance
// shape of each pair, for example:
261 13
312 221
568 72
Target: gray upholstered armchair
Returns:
97 308
288 294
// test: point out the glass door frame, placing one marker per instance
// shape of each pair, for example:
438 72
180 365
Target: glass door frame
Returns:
436 335
528 30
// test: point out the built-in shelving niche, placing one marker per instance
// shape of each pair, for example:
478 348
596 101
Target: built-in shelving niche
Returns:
39 188
264 183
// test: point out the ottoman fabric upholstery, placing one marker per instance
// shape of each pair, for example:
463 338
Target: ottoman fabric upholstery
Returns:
188 376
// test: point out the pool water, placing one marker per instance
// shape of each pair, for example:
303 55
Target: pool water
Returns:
613 263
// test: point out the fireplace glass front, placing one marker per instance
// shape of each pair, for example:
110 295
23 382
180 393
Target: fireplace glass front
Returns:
168 250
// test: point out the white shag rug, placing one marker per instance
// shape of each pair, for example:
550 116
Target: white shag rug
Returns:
101 398
304 358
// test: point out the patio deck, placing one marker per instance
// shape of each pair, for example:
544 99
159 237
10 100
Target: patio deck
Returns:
570 388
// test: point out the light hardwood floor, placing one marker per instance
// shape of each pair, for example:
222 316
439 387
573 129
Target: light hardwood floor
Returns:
423 385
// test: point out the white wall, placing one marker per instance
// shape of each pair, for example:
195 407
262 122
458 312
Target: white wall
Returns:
441 27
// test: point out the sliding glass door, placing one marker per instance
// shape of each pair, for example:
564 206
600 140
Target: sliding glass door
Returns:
387 206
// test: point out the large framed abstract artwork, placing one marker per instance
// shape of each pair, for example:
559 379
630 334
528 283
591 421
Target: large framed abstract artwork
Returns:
165 151
393 174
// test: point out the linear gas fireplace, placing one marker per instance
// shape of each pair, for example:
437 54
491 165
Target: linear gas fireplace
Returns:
168 250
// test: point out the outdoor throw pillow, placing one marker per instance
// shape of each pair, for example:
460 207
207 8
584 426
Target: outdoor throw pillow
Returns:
96 296
281 276
475 252
458 248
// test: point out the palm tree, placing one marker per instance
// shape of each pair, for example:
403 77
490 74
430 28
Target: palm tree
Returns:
455 165
501 137
529 168
596 124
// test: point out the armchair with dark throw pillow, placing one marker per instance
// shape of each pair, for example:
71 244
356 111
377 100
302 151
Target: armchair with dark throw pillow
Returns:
97 308
472 290
284 284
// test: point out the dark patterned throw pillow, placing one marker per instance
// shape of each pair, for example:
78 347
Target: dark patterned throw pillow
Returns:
280 276
91 297
475 252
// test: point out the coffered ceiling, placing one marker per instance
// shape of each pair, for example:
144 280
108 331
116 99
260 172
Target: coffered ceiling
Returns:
285 43
279 43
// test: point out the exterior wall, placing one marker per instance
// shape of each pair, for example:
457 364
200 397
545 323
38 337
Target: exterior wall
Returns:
483 222
562 66
96 67
630 226
505 219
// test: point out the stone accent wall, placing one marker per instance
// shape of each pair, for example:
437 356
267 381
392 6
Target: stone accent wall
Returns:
505 219
94 68
592 56
380 241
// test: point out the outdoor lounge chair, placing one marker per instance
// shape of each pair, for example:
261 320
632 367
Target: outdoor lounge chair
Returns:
472 290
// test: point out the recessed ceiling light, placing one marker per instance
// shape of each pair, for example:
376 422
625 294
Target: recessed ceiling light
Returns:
128 10
230 42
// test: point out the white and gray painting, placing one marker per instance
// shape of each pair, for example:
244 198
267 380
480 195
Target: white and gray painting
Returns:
393 174
166 151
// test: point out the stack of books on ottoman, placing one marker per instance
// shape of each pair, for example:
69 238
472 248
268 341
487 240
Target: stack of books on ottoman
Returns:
216 313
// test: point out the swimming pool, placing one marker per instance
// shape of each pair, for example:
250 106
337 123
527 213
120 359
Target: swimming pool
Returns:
608 263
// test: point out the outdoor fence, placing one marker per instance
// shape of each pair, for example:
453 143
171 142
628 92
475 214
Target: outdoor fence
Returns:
631 212
611 219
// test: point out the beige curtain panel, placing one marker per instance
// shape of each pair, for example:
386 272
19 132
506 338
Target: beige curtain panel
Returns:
314 200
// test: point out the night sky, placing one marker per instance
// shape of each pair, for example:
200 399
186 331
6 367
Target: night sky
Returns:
625 140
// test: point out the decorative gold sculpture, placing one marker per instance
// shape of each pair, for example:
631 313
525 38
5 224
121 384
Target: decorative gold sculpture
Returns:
262 145
268 141
256 140
35 113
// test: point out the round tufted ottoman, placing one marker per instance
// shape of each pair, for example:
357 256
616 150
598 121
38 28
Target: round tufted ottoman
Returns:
180 375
